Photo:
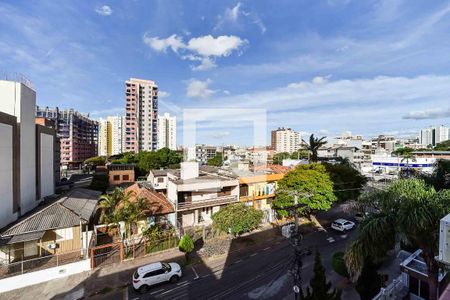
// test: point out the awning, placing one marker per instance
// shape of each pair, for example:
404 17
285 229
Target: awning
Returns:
26 237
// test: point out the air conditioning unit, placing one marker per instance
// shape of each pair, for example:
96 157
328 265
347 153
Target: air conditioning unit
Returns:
444 240
52 246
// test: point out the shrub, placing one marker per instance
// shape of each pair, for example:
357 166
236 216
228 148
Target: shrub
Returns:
186 245
237 218
338 264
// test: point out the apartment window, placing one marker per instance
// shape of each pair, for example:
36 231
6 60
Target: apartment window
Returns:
116 177
160 179
126 177
64 234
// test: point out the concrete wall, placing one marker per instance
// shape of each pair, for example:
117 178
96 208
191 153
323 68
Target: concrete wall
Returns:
20 281
6 175
47 168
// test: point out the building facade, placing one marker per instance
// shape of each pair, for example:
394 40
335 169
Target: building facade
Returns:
434 135
103 137
285 140
141 118
78 134
111 136
26 153
167 132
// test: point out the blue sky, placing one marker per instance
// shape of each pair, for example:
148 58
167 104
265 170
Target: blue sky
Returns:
328 66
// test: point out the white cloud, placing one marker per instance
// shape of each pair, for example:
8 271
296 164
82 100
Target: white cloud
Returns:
163 94
204 49
315 81
173 42
428 114
220 135
199 89
236 16
104 10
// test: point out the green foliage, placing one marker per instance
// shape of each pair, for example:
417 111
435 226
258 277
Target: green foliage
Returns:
100 182
278 158
157 232
148 160
311 179
338 264
319 288
402 151
95 161
408 211
314 145
300 154
440 178
186 244
370 282
217 160
443 146
237 218
347 181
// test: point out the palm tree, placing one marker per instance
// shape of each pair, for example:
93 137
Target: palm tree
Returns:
131 212
108 204
314 145
408 211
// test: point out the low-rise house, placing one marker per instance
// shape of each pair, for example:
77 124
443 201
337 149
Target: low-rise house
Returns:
158 180
120 173
59 227
159 209
197 193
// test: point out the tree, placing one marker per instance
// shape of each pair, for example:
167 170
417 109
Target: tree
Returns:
217 160
300 154
237 218
370 282
338 264
443 146
440 179
108 205
131 212
308 179
347 181
408 211
314 145
319 288
406 156
186 245
95 161
278 158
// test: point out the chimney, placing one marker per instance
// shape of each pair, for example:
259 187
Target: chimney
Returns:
189 170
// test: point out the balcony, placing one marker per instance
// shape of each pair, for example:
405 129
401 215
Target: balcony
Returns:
251 198
183 206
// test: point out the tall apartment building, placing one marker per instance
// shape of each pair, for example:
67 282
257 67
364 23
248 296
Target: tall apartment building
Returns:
141 118
26 152
78 134
111 136
167 132
434 135
103 137
285 140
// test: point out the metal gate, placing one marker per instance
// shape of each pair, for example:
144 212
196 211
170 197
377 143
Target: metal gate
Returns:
106 254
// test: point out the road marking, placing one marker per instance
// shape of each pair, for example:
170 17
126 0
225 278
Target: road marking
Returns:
254 254
330 240
195 272
152 293
168 291
135 298
183 282
266 248
238 261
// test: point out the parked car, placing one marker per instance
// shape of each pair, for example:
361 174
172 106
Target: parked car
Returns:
342 225
155 273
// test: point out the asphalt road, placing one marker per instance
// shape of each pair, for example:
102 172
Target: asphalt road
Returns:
259 274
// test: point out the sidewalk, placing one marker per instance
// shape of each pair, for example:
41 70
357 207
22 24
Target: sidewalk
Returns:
105 279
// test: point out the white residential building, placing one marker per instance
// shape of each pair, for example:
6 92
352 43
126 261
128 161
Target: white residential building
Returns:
167 132
285 140
27 172
103 137
117 134
434 135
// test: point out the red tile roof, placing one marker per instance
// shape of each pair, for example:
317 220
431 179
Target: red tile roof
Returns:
157 203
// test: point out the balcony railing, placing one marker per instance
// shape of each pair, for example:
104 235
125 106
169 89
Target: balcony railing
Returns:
250 198
207 202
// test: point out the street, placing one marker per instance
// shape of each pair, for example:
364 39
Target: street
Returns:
259 274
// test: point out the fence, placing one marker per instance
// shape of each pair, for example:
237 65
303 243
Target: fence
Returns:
119 251
41 263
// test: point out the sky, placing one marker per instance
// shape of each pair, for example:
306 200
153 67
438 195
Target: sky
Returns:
323 67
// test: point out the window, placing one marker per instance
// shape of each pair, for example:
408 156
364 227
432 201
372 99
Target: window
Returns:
64 234
160 179
154 273
126 177
116 177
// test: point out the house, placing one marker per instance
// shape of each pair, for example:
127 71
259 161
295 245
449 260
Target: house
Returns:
257 189
197 192
159 209
158 180
59 227
120 173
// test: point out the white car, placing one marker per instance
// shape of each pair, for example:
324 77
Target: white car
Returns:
155 273
342 225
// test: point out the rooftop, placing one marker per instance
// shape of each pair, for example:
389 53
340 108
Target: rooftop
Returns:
157 203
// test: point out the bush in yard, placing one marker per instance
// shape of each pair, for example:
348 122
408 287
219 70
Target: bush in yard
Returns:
237 218
338 264
186 245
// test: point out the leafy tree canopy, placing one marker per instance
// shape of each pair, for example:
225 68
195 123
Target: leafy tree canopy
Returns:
347 181
443 146
278 158
217 160
96 161
237 218
309 179
402 151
